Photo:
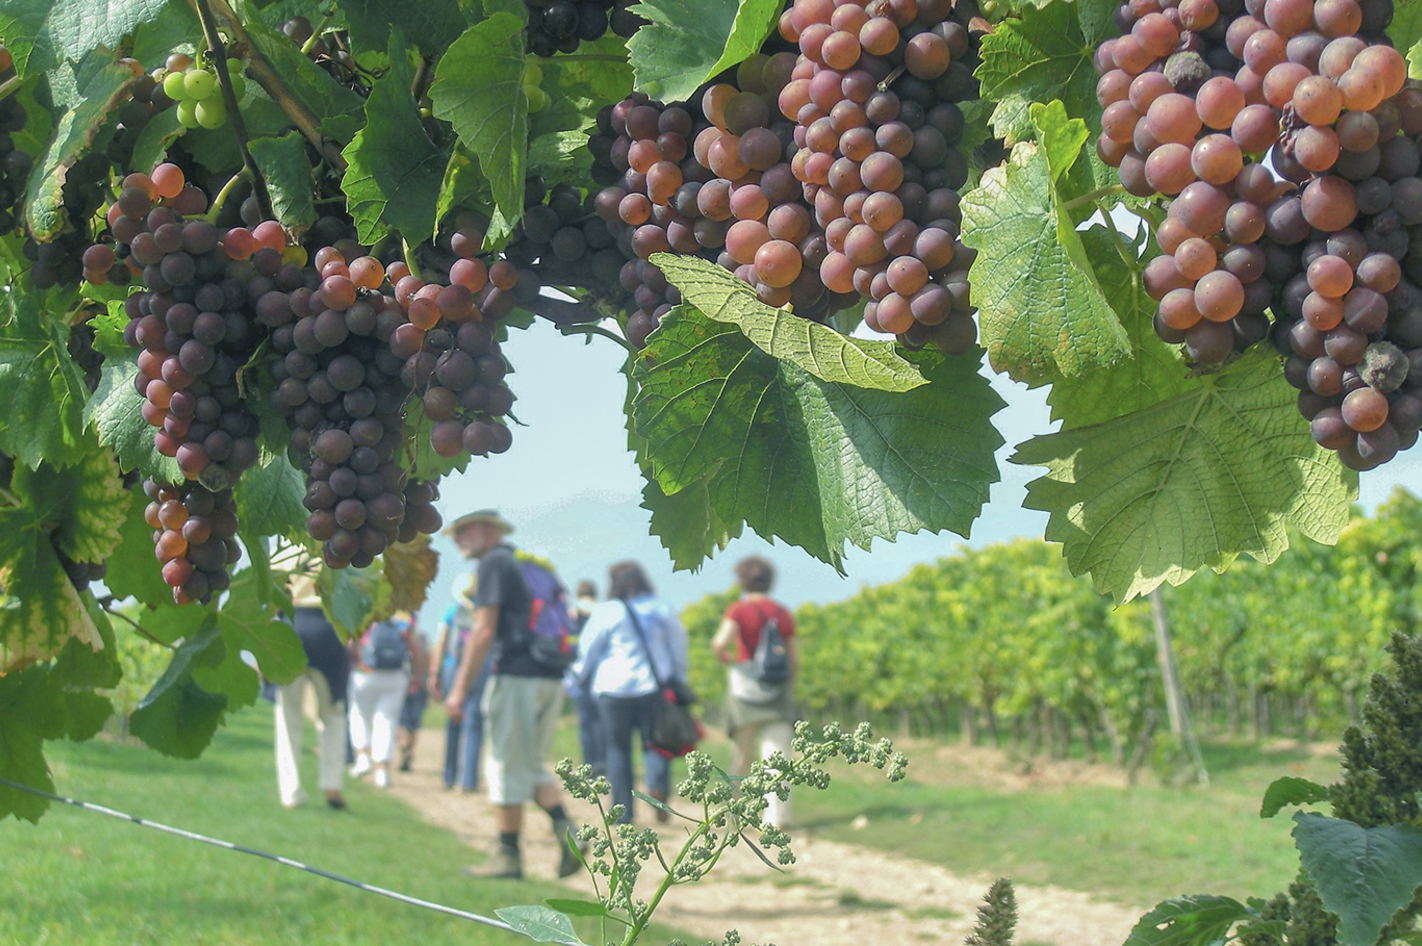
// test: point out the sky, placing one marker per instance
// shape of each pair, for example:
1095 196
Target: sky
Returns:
572 488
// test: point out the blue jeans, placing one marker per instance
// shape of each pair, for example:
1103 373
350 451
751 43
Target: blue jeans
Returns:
590 732
621 715
464 740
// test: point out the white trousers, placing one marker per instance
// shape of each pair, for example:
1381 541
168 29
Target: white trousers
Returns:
330 727
376 698
767 738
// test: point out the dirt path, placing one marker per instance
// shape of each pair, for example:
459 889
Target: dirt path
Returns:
836 895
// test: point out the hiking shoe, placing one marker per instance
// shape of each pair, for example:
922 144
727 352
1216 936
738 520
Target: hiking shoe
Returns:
361 767
406 763
382 778
502 866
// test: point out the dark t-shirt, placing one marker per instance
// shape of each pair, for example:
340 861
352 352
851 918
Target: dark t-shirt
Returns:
501 585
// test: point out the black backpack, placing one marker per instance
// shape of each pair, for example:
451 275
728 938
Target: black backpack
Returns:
771 662
385 647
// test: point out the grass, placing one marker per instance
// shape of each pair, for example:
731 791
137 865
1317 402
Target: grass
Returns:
79 877
1138 846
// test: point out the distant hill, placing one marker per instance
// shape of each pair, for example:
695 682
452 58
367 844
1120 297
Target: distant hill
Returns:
585 534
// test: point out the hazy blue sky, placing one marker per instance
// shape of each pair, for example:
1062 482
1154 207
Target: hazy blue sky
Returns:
573 489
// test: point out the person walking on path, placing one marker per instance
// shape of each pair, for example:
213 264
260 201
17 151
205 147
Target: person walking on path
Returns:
381 677
590 730
412 710
630 642
523 698
327 671
760 704
463 736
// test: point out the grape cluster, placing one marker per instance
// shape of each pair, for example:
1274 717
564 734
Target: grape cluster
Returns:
819 178
1285 132
332 56
193 334
560 26
14 164
198 93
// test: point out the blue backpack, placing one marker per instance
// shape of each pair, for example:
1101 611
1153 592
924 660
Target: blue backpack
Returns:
384 647
551 627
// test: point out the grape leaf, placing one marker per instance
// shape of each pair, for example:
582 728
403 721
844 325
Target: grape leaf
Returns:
249 624
1194 920
1291 790
1405 30
1041 309
154 140
687 42
577 88
1047 54
79 670
40 610
478 88
833 463
116 408
31 711
1153 372
284 167
153 41
409 569
685 523
42 391
819 349
177 716
352 597
337 107
423 462
44 192
395 170
429 23
1221 469
1363 875
133 571
40 34
269 500
230 678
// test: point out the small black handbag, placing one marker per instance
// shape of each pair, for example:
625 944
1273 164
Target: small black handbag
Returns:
673 731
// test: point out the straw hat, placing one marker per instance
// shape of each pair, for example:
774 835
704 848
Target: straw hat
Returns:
490 516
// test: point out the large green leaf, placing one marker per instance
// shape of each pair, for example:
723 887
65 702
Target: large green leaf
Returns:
817 348
816 463
336 107
395 170
1364 875
540 924
478 88
284 167
103 90
269 499
1192 481
1045 55
1152 372
1405 30
116 408
686 524
79 509
40 34
687 42
31 711
251 625
352 597
431 24
1196 920
1041 309
178 716
42 390
133 570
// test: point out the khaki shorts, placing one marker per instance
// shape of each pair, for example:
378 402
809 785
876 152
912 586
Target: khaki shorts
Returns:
520 719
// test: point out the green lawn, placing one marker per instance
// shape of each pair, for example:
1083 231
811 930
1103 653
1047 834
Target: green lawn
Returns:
1137 845
82 878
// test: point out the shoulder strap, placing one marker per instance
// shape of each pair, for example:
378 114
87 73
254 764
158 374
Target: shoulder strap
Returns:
642 636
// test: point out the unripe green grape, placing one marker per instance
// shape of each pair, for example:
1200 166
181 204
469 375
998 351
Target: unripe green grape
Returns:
200 83
239 86
532 73
211 113
187 113
175 87
537 99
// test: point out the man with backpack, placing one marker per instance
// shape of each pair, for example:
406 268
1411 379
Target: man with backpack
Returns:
524 617
757 640
380 678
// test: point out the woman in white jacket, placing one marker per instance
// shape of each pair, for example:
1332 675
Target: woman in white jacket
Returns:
630 641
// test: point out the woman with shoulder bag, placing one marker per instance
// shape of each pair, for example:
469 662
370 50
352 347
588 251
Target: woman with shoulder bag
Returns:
757 640
631 648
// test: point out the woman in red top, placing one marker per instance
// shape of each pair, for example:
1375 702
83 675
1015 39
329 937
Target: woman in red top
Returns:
760 716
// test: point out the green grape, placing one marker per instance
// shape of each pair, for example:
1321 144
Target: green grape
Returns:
532 73
187 113
210 112
537 99
235 65
199 83
174 87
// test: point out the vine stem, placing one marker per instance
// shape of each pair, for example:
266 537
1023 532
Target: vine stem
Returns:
588 57
140 629
1132 263
217 52
315 36
589 330
409 252
222 195
1108 191
264 75
8 87
889 79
